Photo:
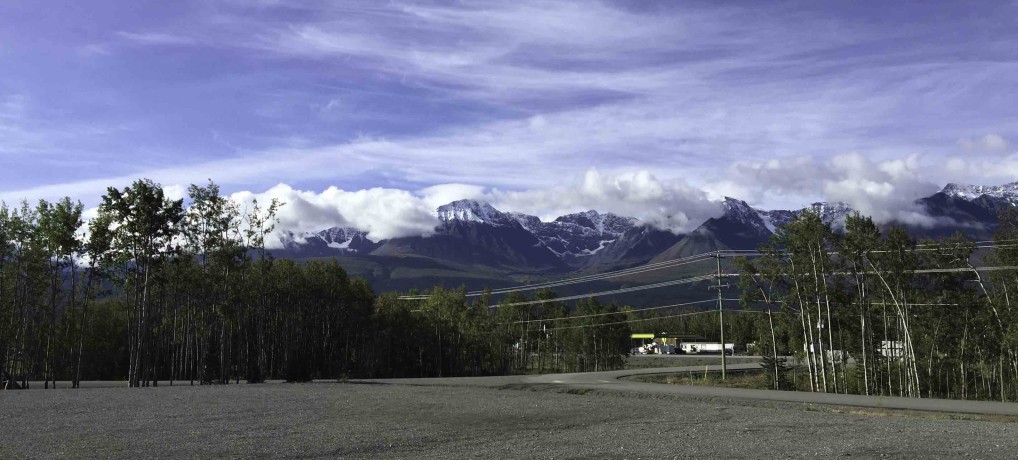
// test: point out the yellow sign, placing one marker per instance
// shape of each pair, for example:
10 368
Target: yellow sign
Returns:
642 336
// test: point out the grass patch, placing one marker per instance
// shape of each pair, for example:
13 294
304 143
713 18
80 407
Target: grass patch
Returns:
655 361
879 412
752 380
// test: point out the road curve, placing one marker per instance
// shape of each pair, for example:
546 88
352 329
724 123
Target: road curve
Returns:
616 381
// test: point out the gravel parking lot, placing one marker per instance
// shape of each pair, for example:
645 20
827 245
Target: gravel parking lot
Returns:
404 421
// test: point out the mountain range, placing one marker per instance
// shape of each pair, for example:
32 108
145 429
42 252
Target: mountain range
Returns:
480 246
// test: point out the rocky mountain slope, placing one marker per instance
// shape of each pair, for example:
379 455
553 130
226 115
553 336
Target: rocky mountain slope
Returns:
474 234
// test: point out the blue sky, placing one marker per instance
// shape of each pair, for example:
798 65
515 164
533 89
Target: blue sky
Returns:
654 109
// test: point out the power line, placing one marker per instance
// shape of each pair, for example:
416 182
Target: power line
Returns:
934 244
922 304
918 247
613 291
565 318
583 279
696 258
920 271
588 278
615 323
704 256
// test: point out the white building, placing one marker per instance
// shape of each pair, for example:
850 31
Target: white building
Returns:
892 348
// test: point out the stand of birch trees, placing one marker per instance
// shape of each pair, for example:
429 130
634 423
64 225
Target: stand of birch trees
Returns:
158 293
872 311
155 292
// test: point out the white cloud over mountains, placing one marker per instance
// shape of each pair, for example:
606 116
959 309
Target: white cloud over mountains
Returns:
382 213
666 204
885 190
390 213
437 195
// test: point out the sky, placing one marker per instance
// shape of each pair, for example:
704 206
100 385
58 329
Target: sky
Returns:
373 113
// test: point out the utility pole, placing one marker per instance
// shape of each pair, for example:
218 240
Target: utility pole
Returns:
721 317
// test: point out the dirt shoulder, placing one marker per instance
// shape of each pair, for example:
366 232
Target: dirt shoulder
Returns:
400 421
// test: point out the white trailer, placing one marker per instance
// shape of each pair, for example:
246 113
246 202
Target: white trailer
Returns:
665 349
707 348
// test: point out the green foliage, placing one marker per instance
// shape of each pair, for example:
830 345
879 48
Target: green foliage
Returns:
156 292
917 319
776 372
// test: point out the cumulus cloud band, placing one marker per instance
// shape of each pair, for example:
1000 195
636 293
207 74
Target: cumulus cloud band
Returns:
382 213
391 213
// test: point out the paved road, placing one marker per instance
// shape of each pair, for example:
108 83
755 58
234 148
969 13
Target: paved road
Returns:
616 381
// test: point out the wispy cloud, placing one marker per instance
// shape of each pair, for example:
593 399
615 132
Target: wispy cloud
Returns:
766 104
991 143
154 38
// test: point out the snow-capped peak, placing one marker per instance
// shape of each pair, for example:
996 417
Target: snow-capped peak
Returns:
832 213
337 234
741 211
971 192
473 211
738 209
346 239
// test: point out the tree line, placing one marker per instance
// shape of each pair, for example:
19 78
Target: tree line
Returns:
874 311
454 336
155 291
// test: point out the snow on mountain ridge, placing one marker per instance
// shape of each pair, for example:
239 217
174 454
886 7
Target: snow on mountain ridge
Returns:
970 192
583 234
575 237
531 223
833 213
474 211
334 237
738 208
830 213
336 234
607 223
741 211
572 235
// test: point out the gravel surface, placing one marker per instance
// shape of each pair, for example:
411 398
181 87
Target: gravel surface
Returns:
409 421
